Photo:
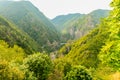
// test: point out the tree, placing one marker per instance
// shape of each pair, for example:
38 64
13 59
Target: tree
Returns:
15 53
39 64
61 67
110 53
10 71
78 73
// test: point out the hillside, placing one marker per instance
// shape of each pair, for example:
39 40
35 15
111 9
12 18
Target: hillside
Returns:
87 48
29 19
64 20
79 24
99 50
14 36
84 51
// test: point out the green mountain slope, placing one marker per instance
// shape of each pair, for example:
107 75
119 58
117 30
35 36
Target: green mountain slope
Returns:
64 20
85 51
79 25
101 44
14 36
28 18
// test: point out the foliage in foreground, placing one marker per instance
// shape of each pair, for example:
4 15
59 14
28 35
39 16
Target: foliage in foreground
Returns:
7 53
110 53
40 64
78 73
13 66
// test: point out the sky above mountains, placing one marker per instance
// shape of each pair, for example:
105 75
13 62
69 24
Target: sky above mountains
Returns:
52 8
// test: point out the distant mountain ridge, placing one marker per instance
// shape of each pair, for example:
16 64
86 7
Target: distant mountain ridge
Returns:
29 19
60 21
79 24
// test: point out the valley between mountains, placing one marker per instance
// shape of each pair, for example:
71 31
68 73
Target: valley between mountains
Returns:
68 47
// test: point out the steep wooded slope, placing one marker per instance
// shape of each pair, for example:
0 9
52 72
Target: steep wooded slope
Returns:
101 44
79 24
14 36
28 18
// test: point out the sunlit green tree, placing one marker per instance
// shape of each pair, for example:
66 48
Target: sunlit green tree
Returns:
78 73
40 64
110 53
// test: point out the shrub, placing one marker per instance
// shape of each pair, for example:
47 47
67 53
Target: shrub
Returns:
78 73
39 64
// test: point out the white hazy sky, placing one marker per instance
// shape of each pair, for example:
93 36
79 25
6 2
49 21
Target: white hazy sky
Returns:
52 8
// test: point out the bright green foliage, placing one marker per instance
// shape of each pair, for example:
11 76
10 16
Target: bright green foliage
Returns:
14 71
39 64
7 53
28 75
61 67
85 50
110 53
78 73
8 72
10 63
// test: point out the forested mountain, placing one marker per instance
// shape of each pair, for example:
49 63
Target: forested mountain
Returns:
29 19
14 36
99 49
63 21
74 26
